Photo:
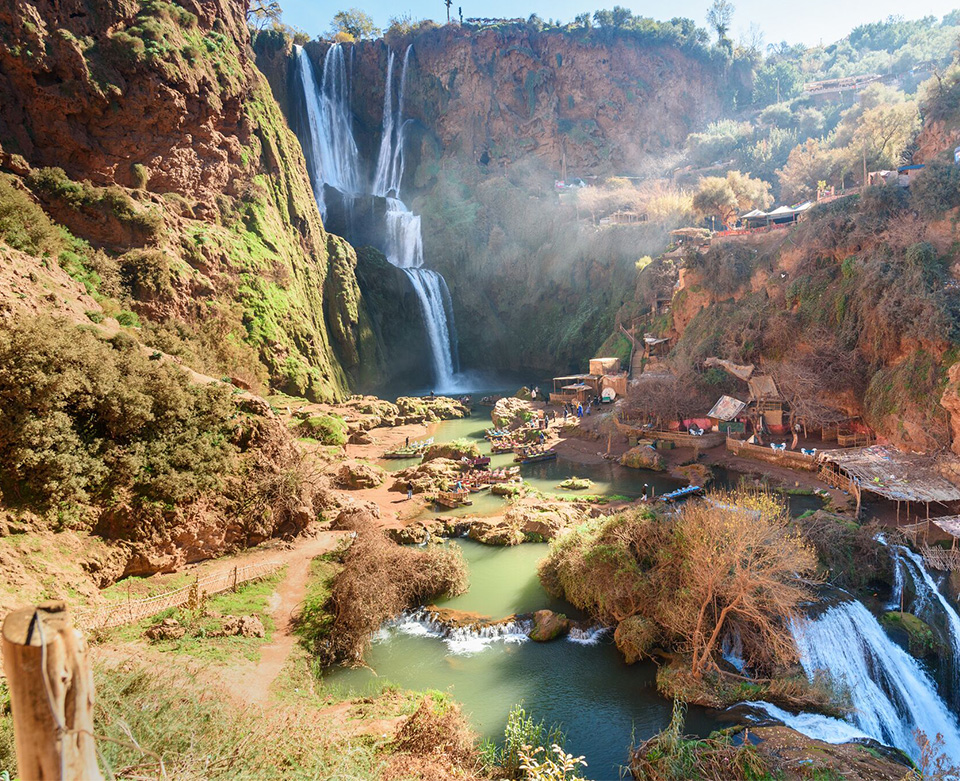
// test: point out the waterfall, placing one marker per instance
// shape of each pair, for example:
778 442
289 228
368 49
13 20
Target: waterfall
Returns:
460 641
333 160
928 598
892 696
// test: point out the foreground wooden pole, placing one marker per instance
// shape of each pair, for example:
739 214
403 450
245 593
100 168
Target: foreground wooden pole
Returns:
51 695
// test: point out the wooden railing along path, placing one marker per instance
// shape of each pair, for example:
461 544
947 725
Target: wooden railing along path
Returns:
130 611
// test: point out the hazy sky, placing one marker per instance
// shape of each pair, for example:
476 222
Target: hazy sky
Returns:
810 22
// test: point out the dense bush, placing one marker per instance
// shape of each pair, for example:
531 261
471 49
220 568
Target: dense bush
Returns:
88 421
936 189
378 581
23 224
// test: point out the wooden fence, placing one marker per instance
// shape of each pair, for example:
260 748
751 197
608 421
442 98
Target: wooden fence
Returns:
788 458
130 611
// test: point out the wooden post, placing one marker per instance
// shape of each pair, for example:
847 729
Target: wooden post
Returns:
234 579
51 695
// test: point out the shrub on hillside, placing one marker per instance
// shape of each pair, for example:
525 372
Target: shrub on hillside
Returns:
936 189
88 421
326 429
23 224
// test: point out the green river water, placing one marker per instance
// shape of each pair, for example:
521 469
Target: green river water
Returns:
602 704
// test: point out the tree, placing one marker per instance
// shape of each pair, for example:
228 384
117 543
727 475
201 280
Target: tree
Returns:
262 13
733 563
582 20
719 17
776 83
355 23
729 195
621 16
884 132
603 18
449 5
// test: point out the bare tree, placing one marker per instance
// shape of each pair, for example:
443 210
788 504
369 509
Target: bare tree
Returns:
741 566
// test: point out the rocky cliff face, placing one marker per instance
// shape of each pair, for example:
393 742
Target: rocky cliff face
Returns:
146 130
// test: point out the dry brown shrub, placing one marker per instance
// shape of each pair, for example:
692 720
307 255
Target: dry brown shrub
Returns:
380 580
434 743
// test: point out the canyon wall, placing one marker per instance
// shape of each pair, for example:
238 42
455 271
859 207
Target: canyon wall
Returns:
493 117
146 130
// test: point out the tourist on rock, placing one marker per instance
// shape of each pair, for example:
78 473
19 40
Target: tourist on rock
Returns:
409 491
579 410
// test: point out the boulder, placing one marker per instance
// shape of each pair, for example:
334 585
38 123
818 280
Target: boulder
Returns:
243 626
456 450
360 437
643 457
430 409
356 475
168 629
428 477
511 413
356 516
491 533
548 626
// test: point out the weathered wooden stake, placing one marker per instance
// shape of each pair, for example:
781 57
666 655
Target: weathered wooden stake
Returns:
51 695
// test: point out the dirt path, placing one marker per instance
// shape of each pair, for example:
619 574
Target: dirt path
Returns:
252 683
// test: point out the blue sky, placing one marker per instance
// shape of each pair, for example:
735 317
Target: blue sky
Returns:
809 22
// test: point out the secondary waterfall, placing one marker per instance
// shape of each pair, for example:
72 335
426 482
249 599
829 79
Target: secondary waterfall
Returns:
930 604
333 160
892 696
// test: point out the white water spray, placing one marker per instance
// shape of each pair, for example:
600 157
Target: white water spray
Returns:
892 696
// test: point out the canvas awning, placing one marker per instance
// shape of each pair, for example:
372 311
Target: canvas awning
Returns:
578 387
893 474
727 408
763 387
609 394
950 524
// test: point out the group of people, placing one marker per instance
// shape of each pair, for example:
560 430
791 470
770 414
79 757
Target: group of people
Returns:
569 409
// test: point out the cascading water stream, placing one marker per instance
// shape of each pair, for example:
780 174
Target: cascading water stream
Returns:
331 150
333 160
404 240
891 695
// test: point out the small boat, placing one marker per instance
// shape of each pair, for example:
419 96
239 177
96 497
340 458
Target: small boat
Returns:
413 450
680 493
504 475
502 447
535 458
479 463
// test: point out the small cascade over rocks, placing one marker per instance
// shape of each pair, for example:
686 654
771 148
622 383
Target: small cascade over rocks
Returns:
891 695
460 640
929 603
333 160
587 636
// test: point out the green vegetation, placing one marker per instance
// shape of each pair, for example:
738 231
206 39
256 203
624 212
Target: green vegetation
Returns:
87 421
24 225
921 638
523 735
314 621
671 756
53 185
326 429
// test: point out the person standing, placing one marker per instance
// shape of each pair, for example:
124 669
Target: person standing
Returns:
409 491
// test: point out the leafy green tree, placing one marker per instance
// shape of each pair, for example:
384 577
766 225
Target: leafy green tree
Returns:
936 189
582 20
777 82
603 18
726 196
621 16
355 23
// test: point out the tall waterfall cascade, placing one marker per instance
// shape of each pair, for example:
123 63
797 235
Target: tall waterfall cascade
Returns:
893 698
333 160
